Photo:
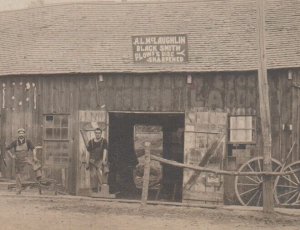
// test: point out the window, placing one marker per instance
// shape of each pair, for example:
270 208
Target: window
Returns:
56 127
242 129
56 139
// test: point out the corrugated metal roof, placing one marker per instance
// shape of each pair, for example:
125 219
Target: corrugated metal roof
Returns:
96 37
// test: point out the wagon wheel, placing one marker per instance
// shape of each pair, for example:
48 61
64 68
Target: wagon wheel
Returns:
287 187
248 189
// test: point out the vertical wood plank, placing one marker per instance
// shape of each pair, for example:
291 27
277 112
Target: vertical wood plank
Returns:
275 117
198 92
67 92
93 92
295 106
40 110
136 92
216 93
286 108
111 93
74 127
9 121
102 90
155 92
145 93
230 95
166 93
55 94
4 169
84 92
240 88
127 92
45 95
51 95
182 92
251 95
298 116
150 94
119 84
62 95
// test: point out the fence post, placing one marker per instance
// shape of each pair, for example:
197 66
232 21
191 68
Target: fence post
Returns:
146 176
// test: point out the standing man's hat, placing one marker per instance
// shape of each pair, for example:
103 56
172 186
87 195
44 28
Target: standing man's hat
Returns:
21 131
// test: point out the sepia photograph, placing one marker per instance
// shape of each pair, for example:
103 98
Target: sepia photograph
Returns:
150 114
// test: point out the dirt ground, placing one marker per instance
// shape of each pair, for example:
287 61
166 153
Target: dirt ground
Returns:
69 213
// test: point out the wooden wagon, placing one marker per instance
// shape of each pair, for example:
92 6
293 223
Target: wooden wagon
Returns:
249 189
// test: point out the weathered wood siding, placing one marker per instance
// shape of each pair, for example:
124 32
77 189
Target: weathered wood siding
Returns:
296 112
285 113
169 92
24 103
235 93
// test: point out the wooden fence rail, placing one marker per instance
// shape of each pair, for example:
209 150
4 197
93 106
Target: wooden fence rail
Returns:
149 157
220 172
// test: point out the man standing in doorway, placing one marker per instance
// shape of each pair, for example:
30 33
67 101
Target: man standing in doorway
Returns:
21 149
98 163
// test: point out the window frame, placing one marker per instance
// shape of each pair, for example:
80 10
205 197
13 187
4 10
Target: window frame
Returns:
59 141
253 134
45 127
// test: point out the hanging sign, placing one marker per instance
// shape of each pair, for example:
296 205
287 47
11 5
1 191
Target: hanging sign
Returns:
160 49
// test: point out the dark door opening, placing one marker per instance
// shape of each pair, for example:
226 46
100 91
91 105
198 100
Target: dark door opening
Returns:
123 157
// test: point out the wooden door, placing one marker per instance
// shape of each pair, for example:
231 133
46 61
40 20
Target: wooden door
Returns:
88 122
56 148
205 145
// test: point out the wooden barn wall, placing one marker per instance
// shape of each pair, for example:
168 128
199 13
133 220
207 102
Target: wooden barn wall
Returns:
19 108
235 93
133 92
170 92
24 102
296 113
285 113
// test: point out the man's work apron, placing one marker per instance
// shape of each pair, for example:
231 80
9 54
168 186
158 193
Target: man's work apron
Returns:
97 170
21 157
22 166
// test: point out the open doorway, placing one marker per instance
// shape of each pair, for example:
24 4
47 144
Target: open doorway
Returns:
123 156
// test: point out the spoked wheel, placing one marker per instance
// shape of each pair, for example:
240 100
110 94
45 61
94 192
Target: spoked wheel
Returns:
249 189
287 187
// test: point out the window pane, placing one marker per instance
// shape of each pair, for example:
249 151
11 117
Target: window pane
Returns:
241 122
49 121
241 136
57 121
248 122
56 133
64 121
242 129
49 133
234 136
248 135
64 133
233 122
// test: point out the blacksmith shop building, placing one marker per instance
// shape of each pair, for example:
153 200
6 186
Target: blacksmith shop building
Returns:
186 69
